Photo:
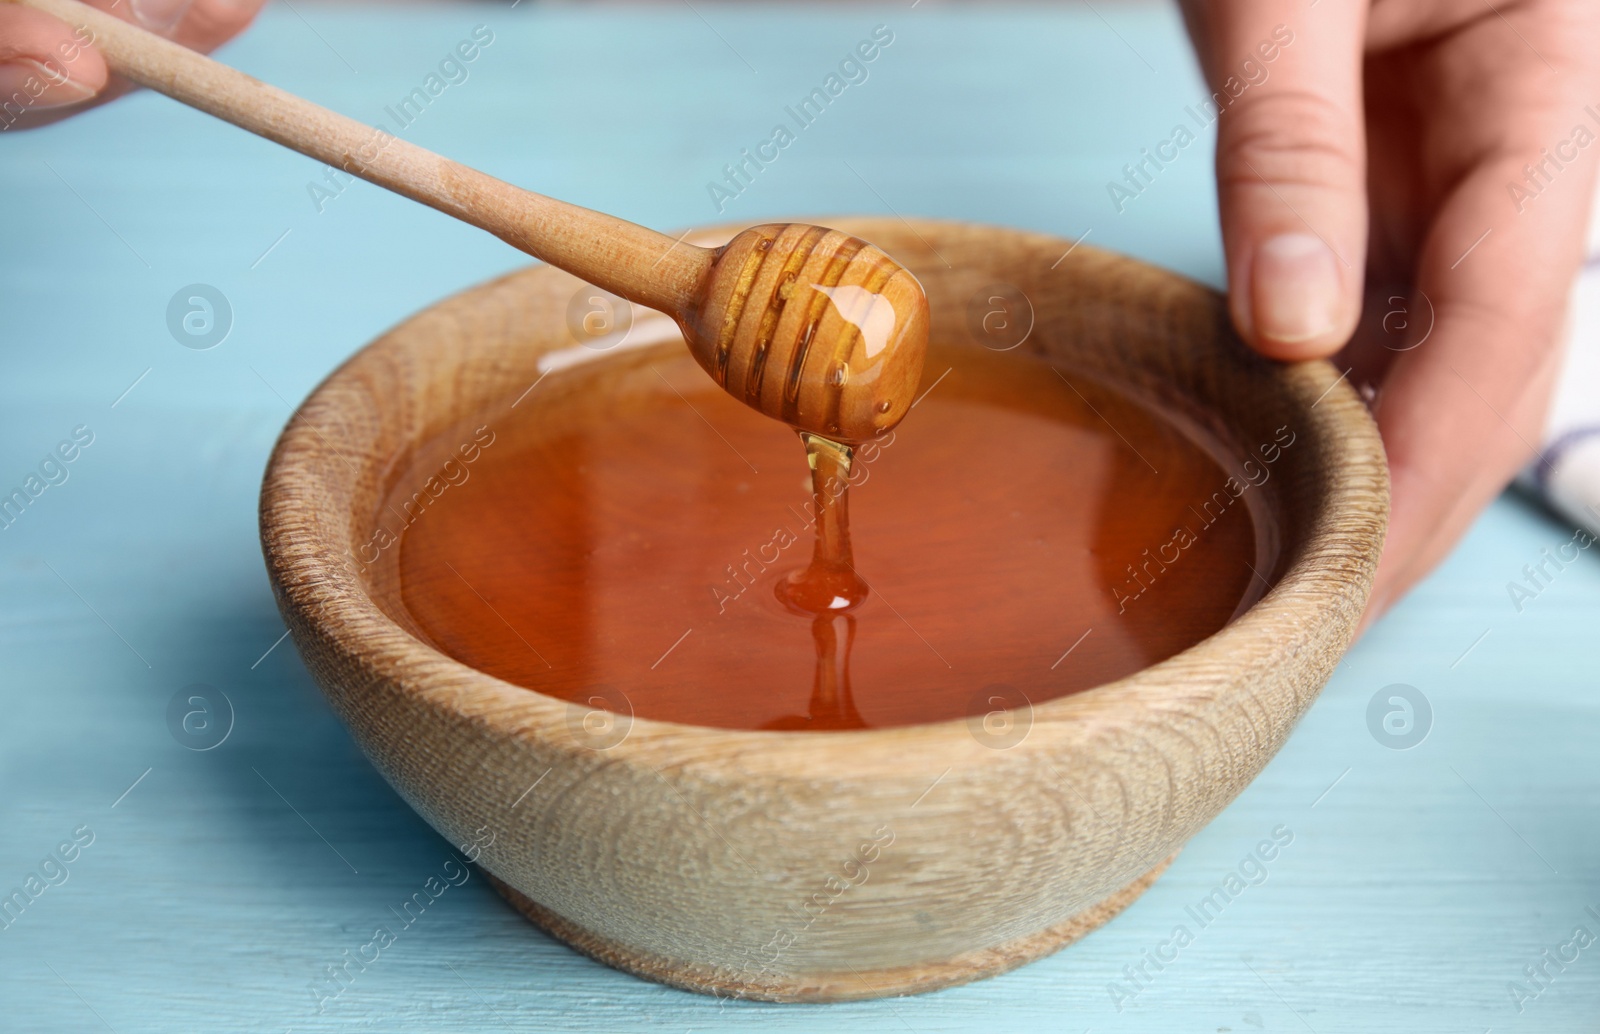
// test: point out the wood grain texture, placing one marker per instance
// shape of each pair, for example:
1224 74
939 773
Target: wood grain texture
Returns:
842 985
814 327
974 850
1405 902
841 361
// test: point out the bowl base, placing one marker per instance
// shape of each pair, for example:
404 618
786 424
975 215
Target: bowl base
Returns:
850 985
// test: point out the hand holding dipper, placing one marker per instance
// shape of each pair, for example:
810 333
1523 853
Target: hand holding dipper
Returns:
804 324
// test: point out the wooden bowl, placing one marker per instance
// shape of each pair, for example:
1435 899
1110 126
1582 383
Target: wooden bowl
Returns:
826 866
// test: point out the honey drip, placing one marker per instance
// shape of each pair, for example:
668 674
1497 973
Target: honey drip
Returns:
829 583
827 589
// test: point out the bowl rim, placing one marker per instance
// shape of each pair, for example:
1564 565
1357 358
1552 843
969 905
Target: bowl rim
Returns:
326 604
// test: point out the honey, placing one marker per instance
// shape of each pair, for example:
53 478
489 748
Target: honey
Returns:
628 532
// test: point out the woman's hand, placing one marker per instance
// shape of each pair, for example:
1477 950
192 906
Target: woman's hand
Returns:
49 71
1437 158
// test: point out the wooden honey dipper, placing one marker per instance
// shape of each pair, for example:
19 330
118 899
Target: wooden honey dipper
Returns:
808 325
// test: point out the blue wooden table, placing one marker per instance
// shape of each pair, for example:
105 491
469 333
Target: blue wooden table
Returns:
209 890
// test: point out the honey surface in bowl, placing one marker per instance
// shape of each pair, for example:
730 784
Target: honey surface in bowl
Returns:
616 538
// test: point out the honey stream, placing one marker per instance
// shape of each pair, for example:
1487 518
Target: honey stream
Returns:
827 590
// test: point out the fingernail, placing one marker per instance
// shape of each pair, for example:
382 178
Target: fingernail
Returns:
27 83
159 15
1295 288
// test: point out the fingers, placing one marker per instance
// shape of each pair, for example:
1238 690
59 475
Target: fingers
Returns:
43 65
201 25
1291 168
1443 517
1470 449
47 70
1462 413
207 24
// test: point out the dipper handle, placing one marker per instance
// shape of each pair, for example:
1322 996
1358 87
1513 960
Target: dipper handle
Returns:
637 263
804 324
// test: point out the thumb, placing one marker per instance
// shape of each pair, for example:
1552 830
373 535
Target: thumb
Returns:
1291 168
43 65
